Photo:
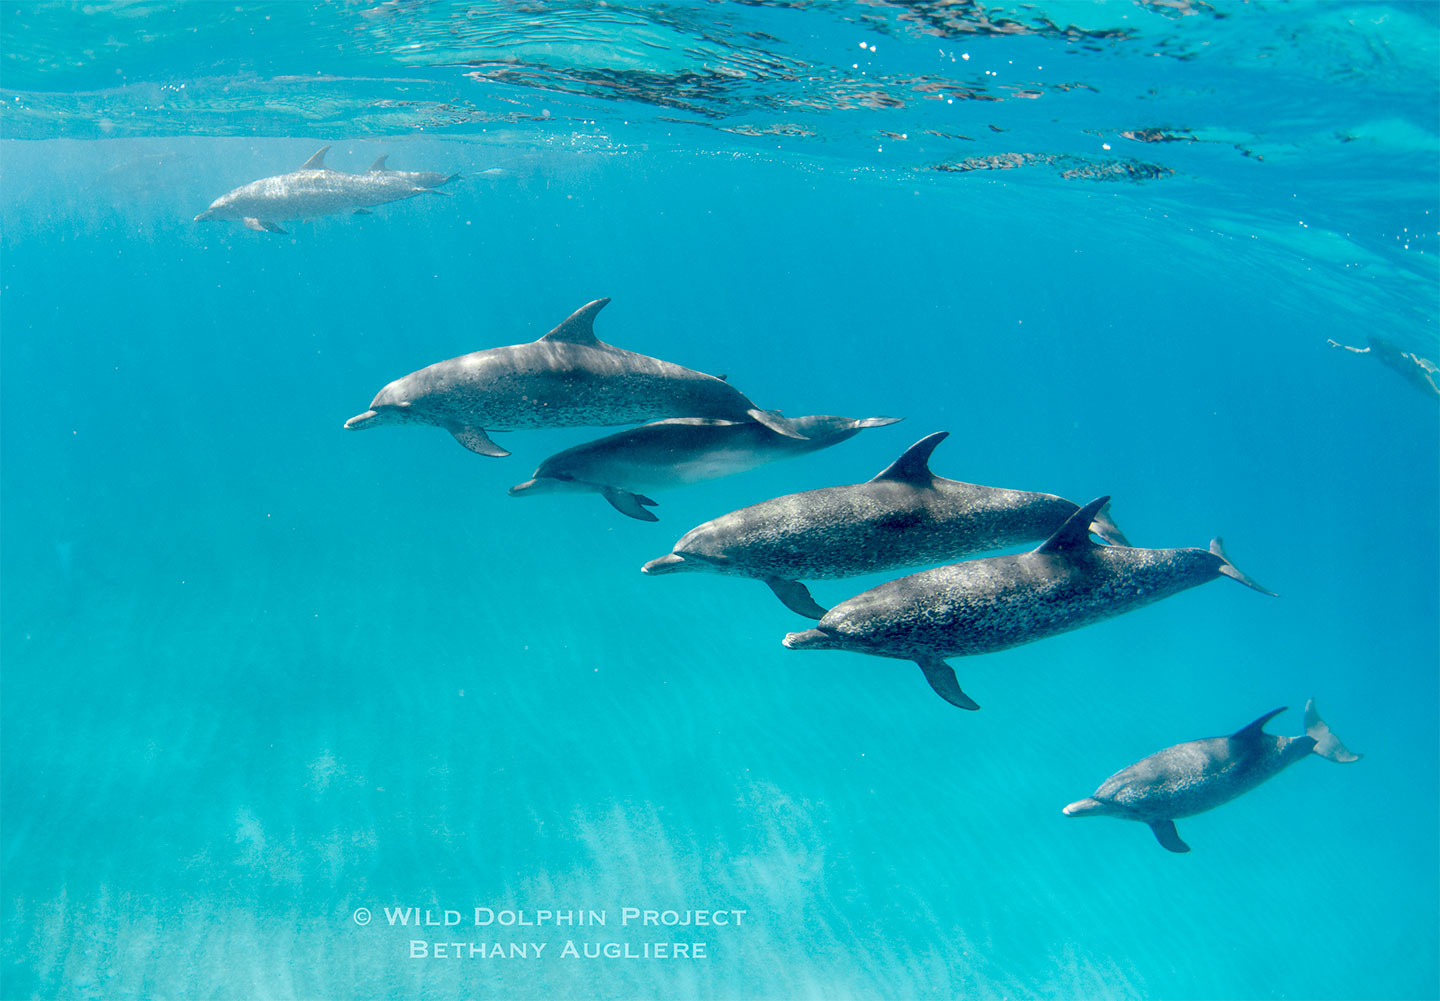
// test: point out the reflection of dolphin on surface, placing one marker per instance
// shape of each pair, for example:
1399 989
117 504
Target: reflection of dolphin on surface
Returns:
568 378
1422 373
905 516
1200 775
316 190
991 604
682 450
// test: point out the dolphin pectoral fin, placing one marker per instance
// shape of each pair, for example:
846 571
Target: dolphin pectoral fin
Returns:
942 678
796 597
629 504
476 440
777 422
362 212
1217 548
1166 834
1104 527
260 224
1327 745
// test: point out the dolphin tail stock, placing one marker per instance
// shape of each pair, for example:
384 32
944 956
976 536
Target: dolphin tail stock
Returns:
631 505
942 678
795 596
1327 745
1166 834
1103 526
1217 549
777 422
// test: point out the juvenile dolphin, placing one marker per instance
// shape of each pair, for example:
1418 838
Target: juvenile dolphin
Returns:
316 190
1199 775
568 378
905 516
681 450
985 605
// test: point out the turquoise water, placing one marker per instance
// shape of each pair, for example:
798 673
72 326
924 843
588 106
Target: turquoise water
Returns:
259 672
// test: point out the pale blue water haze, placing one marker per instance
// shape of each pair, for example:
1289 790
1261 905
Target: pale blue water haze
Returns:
260 672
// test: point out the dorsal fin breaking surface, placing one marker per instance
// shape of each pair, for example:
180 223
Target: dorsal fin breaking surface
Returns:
913 466
579 326
316 162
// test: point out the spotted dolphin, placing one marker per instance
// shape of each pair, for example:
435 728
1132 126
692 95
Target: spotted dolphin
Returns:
316 190
905 516
1200 775
995 603
679 451
568 378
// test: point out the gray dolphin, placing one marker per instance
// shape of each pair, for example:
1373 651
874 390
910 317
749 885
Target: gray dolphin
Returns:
1200 775
985 605
316 190
905 516
679 451
568 378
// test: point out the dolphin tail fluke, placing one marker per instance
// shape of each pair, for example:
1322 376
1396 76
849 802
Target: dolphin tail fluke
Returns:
1217 548
1166 834
877 422
1102 526
262 224
777 422
795 596
476 440
630 504
1327 745
942 678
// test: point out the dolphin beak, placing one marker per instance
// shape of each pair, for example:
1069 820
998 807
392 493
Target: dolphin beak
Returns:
1081 807
360 421
523 488
664 564
810 639
207 214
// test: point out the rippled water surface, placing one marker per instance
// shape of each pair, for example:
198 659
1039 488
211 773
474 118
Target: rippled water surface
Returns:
260 673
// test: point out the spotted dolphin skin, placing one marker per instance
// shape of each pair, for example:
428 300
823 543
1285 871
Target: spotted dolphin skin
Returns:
316 190
568 378
623 467
1200 775
905 516
985 605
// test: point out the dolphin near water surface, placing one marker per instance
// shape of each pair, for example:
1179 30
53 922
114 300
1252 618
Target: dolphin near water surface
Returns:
316 190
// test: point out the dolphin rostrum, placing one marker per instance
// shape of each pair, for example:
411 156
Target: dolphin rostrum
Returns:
622 467
995 603
316 190
568 378
905 516
1200 775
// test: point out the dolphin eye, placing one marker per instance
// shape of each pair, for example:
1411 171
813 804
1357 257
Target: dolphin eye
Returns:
567 477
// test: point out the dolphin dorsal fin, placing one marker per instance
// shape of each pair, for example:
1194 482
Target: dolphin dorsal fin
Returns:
1251 731
379 163
579 326
316 162
1075 533
913 466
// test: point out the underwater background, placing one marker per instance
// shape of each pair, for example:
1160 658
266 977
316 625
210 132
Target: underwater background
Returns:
260 673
